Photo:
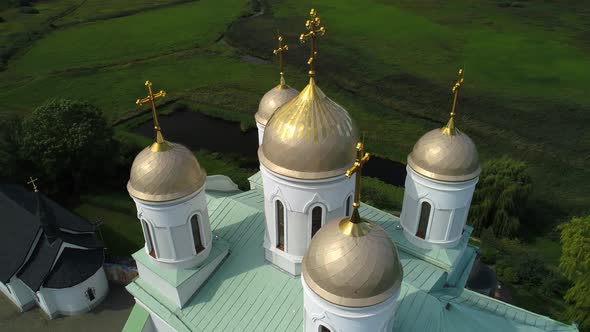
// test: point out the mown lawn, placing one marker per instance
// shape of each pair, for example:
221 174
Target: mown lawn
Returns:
121 231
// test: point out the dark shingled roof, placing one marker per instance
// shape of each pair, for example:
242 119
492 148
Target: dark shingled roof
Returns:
27 214
83 240
19 231
37 268
64 218
73 267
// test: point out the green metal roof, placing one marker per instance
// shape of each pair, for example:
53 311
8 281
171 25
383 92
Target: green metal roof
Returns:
247 293
175 277
136 320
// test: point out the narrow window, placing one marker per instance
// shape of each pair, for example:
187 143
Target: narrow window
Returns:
316 220
148 239
348 206
280 211
196 234
324 329
90 294
423 220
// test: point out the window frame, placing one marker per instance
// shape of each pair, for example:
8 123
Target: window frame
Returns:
147 234
278 245
348 206
428 221
322 217
200 230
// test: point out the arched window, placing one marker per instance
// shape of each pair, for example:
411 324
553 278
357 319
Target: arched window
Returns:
316 220
148 238
348 205
196 234
280 216
324 329
423 220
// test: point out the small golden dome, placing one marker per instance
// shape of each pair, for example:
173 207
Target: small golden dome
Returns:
445 154
165 171
352 264
310 137
273 99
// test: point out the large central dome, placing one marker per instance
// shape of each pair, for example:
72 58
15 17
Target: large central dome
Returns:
310 137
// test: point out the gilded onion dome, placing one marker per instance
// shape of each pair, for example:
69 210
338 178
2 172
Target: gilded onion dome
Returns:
352 264
445 157
446 154
310 137
163 171
273 99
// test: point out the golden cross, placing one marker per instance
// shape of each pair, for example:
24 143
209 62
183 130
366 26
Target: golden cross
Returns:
449 129
151 98
33 183
455 90
357 168
279 51
313 25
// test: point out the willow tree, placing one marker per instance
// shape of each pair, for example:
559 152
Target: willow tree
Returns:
575 264
500 198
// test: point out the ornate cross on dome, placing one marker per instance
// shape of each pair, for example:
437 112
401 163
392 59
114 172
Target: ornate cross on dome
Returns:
279 52
449 129
33 183
151 98
313 25
357 168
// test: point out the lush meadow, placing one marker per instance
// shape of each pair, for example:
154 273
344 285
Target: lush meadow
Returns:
390 63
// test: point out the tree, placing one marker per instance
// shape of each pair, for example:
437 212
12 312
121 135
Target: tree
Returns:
500 197
575 264
69 142
11 164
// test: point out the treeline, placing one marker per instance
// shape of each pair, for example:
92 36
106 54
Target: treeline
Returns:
498 216
68 145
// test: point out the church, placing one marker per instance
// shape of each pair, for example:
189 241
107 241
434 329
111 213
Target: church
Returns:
50 257
299 251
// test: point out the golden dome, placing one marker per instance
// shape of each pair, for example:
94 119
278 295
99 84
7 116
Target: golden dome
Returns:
445 154
310 137
273 99
352 264
165 171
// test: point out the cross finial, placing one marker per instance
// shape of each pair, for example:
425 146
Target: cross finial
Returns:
32 181
449 129
151 98
315 30
279 52
357 168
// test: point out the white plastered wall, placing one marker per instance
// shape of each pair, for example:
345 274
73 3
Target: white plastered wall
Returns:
171 230
317 311
72 300
450 202
299 197
18 293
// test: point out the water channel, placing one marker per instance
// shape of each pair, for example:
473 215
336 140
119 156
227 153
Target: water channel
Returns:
200 131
